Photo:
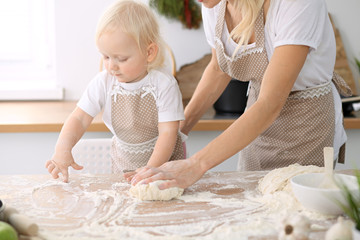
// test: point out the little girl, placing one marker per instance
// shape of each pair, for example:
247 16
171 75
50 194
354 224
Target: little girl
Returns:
142 105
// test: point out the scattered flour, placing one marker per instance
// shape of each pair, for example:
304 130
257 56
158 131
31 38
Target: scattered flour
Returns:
102 208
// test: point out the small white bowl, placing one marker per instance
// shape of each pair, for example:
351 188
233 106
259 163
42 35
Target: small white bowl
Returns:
307 191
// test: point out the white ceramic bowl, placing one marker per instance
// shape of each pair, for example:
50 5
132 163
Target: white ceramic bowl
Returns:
307 191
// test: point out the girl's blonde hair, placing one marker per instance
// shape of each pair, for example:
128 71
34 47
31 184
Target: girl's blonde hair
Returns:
137 20
250 10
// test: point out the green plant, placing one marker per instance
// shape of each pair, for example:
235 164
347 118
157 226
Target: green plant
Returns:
357 61
188 12
352 206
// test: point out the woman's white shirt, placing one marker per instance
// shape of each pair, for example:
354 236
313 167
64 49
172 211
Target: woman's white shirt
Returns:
294 22
291 22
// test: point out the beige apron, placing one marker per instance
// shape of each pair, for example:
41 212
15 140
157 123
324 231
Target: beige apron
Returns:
306 123
134 118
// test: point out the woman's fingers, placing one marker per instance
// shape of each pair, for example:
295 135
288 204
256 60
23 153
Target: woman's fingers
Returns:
181 173
156 174
144 174
129 175
168 184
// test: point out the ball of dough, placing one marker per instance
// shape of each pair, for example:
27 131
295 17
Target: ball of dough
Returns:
152 192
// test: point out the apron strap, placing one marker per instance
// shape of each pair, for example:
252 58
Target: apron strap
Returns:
341 157
340 84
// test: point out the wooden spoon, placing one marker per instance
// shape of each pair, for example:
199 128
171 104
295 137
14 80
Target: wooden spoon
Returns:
328 181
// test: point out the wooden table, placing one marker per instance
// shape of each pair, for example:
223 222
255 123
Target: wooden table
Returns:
50 116
224 205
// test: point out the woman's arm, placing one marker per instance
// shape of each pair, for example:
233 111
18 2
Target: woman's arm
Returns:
279 78
165 143
73 129
212 84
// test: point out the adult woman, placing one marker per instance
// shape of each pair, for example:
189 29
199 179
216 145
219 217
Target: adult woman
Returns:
286 49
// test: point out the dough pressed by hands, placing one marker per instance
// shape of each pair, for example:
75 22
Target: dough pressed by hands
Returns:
151 192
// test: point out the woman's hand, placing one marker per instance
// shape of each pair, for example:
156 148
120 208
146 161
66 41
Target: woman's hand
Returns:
56 166
181 173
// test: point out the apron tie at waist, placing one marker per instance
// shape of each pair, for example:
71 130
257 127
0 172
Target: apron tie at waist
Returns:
135 148
340 84
311 92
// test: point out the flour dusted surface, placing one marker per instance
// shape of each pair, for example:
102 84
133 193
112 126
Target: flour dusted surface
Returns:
219 206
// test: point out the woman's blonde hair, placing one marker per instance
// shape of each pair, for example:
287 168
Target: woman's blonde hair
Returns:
137 20
250 10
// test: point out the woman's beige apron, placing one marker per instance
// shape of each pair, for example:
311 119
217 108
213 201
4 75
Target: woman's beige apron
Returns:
134 118
306 123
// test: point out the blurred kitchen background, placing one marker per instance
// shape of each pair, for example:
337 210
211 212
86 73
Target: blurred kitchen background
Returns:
68 54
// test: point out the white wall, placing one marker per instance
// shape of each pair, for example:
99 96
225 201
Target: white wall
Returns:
26 153
346 17
78 59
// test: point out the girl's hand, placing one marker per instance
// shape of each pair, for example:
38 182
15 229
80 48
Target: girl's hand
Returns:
56 166
181 173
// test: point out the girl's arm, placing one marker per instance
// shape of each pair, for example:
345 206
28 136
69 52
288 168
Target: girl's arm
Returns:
212 84
165 143
73 129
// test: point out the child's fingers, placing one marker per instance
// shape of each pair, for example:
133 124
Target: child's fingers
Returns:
65 174
50 167
48 162
76 166
55 172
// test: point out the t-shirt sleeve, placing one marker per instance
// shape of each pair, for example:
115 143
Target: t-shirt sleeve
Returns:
169 100
93 99
209 23
300 22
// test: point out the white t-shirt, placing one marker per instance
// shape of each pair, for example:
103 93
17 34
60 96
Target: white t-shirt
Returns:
294 22
167 94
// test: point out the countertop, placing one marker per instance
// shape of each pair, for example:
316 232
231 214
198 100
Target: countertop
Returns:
221 205
50 116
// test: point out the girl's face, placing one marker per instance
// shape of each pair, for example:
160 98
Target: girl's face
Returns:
122 56
209 3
